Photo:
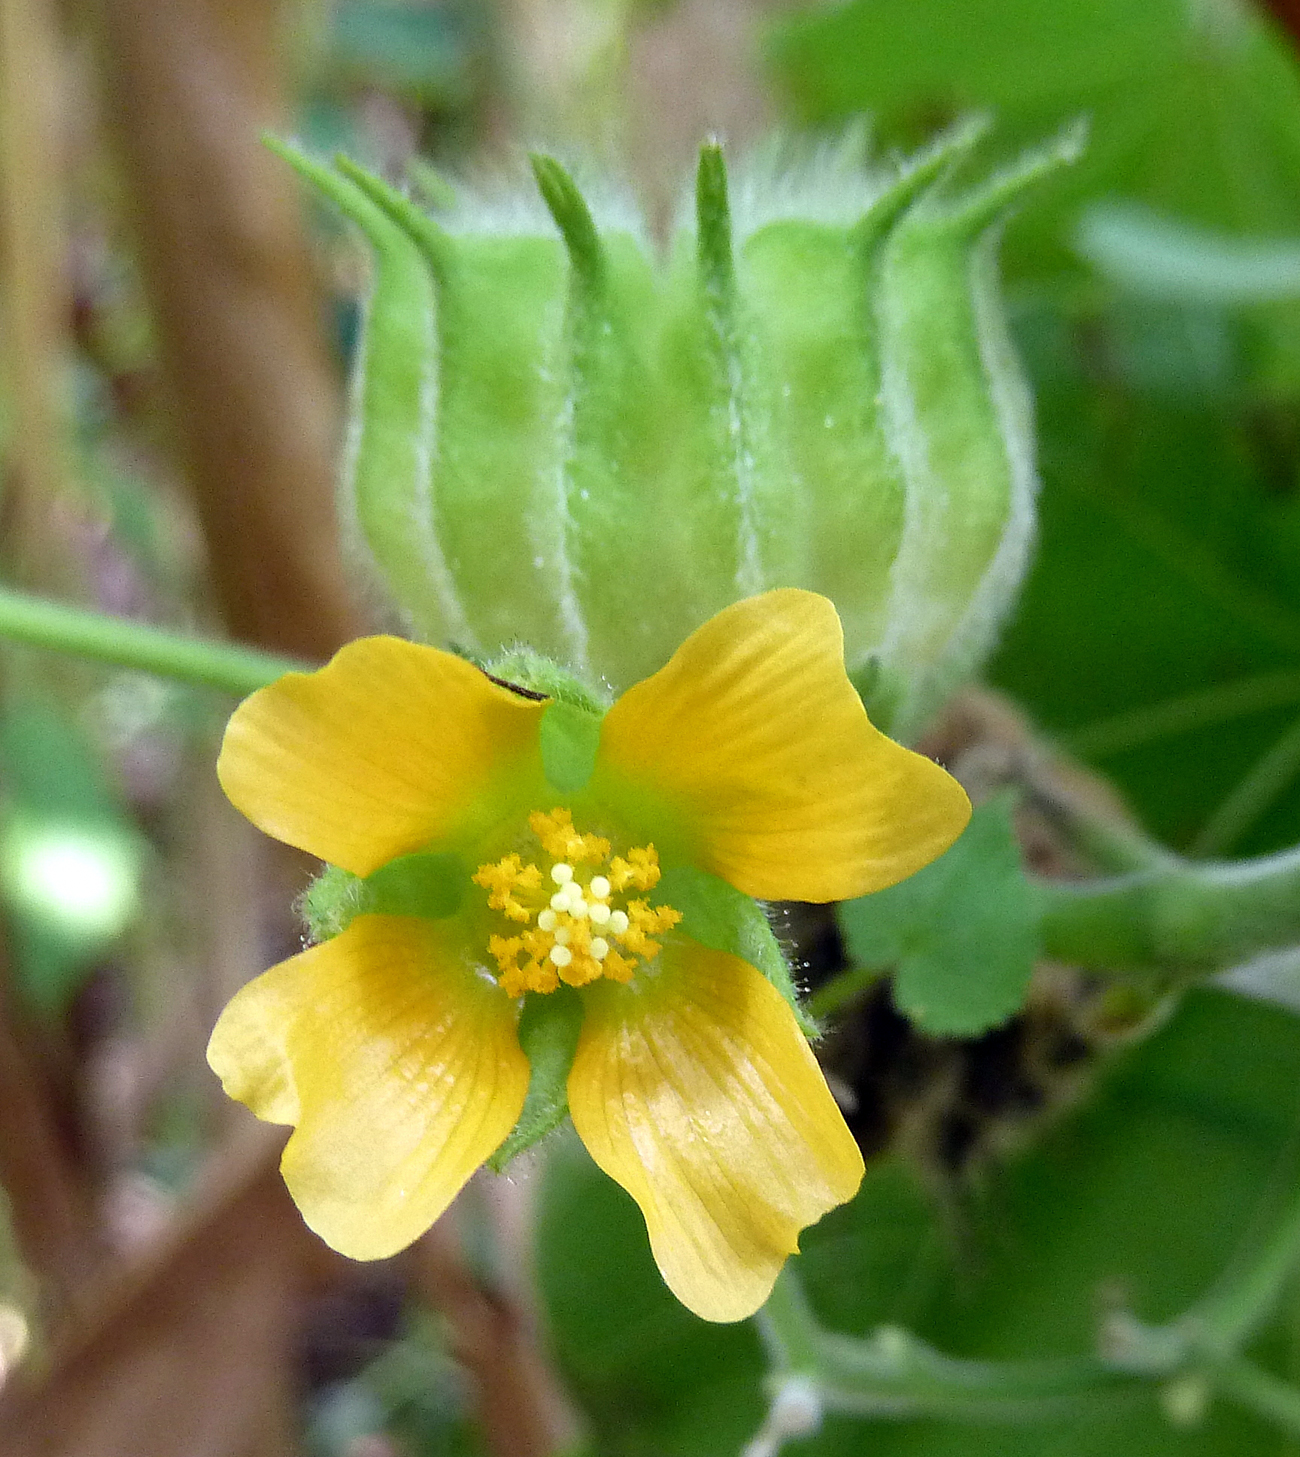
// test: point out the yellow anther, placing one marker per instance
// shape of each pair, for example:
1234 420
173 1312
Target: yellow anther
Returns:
645 922
617 967
560 942
562 842
503 880
640 870
506 950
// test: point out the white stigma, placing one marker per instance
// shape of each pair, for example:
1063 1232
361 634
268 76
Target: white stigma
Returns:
599 888
546 921
562 936
598 911
618 922
599 948
559 902
561 873
561 956
578 907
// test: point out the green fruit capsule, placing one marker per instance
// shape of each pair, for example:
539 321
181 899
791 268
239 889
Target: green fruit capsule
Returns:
566 437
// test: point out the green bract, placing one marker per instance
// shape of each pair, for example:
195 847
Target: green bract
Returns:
565 436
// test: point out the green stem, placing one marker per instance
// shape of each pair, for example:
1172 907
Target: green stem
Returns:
112 640
1263 1393
1182 917
893 1374
1257 791
1229 1314
789 1327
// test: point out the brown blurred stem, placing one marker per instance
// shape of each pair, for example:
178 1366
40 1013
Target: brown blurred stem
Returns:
1287 15
47 1203
520 1405
35 284
189 86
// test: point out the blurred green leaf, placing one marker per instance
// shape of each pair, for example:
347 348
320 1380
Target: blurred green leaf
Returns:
70 859
1166 593
1194 108
960 935
417 50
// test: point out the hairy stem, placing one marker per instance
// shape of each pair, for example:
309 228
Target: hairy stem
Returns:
893 1374
1182 917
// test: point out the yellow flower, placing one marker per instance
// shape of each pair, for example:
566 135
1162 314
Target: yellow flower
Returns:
393 1048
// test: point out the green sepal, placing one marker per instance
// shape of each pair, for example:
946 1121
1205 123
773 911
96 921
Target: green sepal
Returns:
393 429
331 903
563 435
424 884
429 885
431 240
943 155
535 673
882 688
961 935
549 1026
713 222
570 737
568 207
719 916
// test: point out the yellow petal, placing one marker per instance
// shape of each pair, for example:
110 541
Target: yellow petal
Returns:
387 748
696 1091
399 1065
247 1049
754 735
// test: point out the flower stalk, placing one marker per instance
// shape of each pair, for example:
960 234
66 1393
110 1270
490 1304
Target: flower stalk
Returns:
202 662
894 1374
1182 919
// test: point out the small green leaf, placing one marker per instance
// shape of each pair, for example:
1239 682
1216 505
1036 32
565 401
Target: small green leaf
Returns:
416 885
961 935
548 1033
570 737
719 916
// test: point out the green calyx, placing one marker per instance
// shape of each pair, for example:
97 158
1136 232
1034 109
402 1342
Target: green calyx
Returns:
570 732
549 1027
429 884
566 436
533 674
719 916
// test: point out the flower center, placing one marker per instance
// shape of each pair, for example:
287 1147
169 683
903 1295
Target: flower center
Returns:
580 926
